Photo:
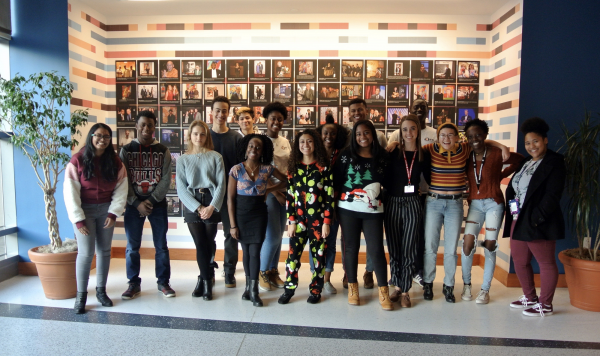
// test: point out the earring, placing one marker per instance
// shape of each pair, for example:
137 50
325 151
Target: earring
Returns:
246 156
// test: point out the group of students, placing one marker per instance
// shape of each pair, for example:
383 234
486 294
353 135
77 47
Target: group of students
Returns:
261 187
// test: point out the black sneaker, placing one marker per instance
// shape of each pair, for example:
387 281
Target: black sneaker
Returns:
428 291
229 280
132 291
166 290
449 293
313 298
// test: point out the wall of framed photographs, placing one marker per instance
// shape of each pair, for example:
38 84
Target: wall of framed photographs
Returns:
312 64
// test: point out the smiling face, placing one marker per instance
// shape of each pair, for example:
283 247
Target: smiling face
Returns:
254 150
329 134
364 136
145 129
169 66
220 111
307 145
448 138
198 136
536 145
274 123
476 138
101 139
246 121
358 112
410 131
420 108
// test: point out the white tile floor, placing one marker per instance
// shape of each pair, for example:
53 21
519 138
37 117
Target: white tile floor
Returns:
426 317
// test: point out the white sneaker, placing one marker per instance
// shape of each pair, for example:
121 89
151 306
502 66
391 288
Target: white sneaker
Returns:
466 293
418 280
483 297
329 288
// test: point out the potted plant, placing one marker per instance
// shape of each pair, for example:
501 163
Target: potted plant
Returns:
31 113
582 264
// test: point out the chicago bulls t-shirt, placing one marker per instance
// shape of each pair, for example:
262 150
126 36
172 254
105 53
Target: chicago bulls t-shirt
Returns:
358 184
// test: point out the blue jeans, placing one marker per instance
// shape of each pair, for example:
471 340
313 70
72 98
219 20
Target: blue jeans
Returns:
438 212
271 248
331 241
134 225
491 213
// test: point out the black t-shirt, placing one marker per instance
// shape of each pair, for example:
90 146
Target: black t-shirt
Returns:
227 145
396 177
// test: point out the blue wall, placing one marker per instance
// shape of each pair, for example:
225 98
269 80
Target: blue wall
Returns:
39 43
560 73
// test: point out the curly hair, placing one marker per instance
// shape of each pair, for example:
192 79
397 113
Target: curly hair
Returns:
109 169
320 151
341 137
275 106
535 125
479 123
267 154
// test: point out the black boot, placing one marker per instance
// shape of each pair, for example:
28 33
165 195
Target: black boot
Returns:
80 301
256 301
246 295
428 291
207 290
102 297
199 290
448 293
286 296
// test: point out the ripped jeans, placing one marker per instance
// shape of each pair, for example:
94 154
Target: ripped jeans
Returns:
491 213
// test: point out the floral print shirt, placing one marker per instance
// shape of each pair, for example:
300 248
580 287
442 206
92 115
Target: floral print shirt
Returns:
245 185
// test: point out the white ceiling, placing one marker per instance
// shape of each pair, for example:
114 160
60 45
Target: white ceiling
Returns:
120 8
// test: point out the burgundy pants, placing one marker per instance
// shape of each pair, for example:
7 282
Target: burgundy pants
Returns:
544 253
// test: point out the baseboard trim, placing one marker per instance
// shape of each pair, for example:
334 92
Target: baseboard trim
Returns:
29 269
9 268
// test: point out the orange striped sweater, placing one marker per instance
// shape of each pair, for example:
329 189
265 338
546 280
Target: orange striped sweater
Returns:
448 176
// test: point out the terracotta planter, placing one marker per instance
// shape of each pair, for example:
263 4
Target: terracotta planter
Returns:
583 279
57 273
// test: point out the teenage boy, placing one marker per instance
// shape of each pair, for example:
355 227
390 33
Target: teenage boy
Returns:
148 165
226 143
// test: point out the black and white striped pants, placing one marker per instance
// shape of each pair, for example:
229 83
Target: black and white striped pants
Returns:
402 216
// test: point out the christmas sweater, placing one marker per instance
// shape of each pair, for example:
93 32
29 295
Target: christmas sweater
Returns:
358 183
310 195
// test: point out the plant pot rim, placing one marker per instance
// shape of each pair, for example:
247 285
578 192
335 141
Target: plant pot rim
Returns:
566 259
34 250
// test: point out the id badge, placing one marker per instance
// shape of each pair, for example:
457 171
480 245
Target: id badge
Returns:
514 206
409 189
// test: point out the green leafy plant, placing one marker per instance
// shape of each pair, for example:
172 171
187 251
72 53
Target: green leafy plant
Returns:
32 114
581 149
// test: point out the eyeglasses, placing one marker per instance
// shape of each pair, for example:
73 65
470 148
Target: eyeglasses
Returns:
100 137
450 136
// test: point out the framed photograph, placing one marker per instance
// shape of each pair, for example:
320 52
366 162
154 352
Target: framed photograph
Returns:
169 70
174 206
126 115
147 93
445 72
214 71
394 115
375 71
421 71
289 120
191 93
329 70
260 94
398 71
170 93
237 93
152 109
328 110
260 70
147 70
345 116
208 117
442 115
126 93
465 115
211 91
169 116
171 138
191 70
282 92
191 113
398 94
125 71
173 185
288 134
174 156
351 91
421 91
283 70
467 95
306 93
352 70
237 70
306 70
258 117
375 93
329 93
468 72
125 136
377 115
444 95
306 116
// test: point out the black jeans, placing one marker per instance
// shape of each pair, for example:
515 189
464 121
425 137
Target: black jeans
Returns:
373 231
204 239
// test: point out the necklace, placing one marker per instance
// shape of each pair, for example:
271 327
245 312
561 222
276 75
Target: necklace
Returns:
252 170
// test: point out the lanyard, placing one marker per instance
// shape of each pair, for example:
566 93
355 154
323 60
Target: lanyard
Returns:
478 178
409 172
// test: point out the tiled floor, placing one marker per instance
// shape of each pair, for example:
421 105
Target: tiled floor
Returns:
187 325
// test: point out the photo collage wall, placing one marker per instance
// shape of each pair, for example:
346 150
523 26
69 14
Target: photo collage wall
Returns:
180 91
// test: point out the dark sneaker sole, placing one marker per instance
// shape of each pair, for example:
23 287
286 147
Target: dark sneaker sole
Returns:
125 297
